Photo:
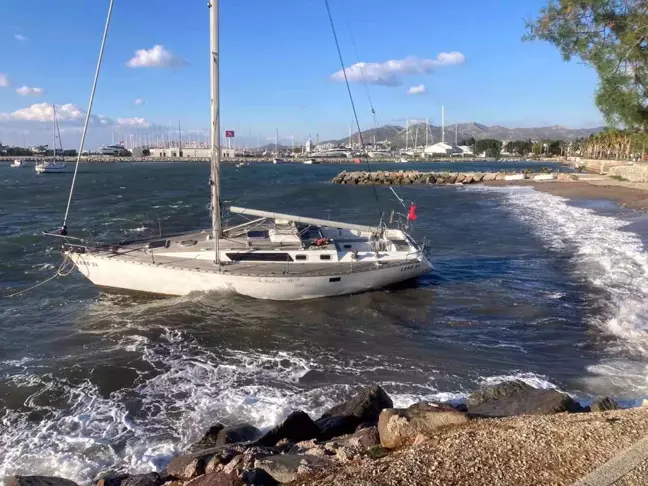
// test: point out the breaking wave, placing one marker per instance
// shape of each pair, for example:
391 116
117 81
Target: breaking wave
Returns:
610 260
74 431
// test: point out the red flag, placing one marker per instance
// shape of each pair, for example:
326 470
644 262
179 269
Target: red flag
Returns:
412 212
229 133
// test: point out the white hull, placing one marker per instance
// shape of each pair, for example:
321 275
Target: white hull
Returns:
162 279
50 169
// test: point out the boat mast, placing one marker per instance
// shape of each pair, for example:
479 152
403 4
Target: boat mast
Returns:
443 124
407 135
54 133
215 125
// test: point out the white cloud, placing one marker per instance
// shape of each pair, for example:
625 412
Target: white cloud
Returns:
4 80
157 56
43 112
69 115
417 90
134 122
20 37
27 91
139 101
391 73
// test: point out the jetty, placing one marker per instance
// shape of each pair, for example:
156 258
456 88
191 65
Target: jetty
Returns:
402 177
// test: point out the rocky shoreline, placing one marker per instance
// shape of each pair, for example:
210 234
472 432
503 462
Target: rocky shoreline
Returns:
365 433
416 177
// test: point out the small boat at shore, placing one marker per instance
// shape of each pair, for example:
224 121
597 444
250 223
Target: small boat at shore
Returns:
311 161
17 163
279 161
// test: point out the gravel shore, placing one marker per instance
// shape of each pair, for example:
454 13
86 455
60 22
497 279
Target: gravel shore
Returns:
518 451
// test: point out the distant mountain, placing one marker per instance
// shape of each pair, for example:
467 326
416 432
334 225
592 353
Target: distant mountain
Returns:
270 147
399 137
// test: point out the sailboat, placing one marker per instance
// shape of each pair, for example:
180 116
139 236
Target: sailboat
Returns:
270 256
53 166
277 159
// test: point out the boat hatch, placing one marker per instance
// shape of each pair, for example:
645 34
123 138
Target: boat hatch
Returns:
260 257
257 234
401 245
158 244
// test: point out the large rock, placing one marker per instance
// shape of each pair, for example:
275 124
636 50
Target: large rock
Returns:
216 479
187 467
284 468
208 440
526 402
603 405
258 477
237 433
335 426
298 426
497 392
39 481
191 465
365 438
150 479
115 480
398 427
364 406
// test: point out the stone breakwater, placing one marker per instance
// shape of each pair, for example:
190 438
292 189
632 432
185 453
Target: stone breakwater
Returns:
417 177
366 431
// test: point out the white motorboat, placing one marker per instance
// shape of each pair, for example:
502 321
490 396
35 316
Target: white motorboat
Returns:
310 161
402 160
52 166
17 163
278 161
267 256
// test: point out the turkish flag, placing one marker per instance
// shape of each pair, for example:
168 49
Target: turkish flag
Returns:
412 212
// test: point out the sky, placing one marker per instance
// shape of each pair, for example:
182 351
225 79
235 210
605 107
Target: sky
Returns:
279 68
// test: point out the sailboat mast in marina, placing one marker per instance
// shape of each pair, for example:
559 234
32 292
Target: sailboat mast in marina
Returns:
267 256
52 167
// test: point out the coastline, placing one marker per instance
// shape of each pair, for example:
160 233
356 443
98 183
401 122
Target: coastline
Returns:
509 434
632 195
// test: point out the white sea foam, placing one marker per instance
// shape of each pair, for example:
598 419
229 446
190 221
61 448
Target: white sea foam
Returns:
140 429
612 261
532 379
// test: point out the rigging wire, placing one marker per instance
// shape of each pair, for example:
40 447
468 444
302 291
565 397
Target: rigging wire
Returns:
88 113
355 112
364 79
58 132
